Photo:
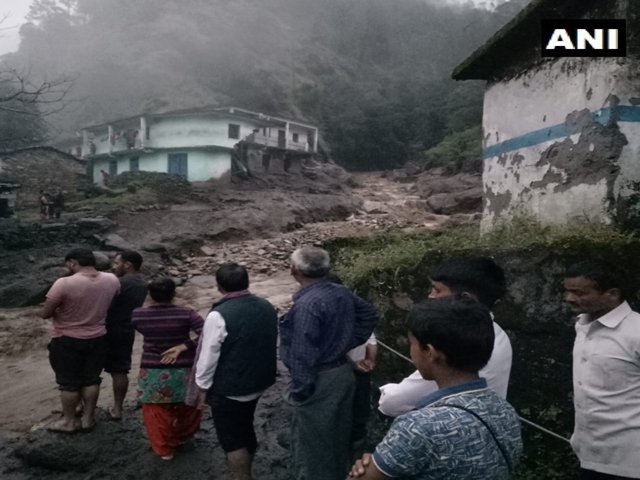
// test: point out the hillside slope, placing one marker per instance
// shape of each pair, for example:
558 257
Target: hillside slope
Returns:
374 74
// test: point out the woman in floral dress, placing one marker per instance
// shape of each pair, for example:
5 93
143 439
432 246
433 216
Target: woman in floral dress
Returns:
168 354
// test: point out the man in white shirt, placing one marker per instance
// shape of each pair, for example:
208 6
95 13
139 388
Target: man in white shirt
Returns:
482 279
236 364
606 373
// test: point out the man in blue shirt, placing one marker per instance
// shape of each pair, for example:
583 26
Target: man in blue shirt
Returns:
325 322
462 431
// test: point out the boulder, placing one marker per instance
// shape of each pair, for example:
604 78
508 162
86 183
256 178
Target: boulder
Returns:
203 281
155 248
117 242
467 201
372 207
208 251
103 262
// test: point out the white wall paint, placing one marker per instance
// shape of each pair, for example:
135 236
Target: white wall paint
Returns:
202 165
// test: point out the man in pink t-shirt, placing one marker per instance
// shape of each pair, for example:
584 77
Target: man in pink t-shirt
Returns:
78 305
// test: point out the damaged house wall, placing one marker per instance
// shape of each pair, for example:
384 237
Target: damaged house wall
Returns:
561 136
561 144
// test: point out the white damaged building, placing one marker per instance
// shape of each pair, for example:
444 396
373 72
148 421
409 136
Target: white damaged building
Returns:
561 136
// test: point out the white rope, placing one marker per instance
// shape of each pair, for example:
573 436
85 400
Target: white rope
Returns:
522 419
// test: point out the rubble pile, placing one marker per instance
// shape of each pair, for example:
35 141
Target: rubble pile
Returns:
164 184
271 256
443 194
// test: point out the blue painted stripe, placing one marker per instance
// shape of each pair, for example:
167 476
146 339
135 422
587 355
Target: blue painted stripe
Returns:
602 116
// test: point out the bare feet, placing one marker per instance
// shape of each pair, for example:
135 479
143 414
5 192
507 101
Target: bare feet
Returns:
87 424
115 415
62 426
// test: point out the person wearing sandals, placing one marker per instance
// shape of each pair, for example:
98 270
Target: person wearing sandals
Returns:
462 430
165 368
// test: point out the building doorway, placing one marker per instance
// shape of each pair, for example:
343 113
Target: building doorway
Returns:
178 164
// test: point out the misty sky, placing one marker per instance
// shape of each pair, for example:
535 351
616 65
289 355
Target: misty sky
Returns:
9 39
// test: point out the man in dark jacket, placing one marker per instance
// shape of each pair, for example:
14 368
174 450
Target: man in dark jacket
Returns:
120 331
237 363
325 322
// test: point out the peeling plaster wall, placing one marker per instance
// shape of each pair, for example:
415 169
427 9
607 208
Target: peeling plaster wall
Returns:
555 148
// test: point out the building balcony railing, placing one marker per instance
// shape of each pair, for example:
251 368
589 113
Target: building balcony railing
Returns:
279 143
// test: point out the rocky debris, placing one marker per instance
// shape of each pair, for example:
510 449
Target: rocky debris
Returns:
116 242
103 262
146 208
59 456
163 183
327 172
372 207
155 247
445 194
271 256
17 235
449 203
202 281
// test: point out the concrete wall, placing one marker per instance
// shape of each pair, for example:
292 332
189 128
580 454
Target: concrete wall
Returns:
178 132
562 142
202 165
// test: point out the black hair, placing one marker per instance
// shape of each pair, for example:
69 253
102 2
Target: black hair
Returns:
333 278
604 274
134 258
479 276
83 256
459 327
232 277
162 289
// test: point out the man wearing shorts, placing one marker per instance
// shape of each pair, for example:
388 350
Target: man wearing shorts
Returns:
120 331
236 364
78 305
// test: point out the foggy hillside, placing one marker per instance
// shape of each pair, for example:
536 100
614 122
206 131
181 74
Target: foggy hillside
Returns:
375 74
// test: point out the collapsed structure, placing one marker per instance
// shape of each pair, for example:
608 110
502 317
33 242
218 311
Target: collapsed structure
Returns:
561 136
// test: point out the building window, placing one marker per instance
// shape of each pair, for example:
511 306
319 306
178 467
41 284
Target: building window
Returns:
148 133
113 168
134 164
296 137
234 131
264 132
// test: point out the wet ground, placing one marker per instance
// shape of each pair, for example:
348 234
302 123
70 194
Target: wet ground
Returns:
29 398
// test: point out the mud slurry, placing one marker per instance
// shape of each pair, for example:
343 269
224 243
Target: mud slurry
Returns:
121 449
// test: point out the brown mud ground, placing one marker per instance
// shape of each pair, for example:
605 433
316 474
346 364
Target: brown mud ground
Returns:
29 398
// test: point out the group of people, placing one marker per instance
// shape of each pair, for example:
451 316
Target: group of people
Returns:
453 420
51 204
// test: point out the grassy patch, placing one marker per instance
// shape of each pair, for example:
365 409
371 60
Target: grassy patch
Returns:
358 260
